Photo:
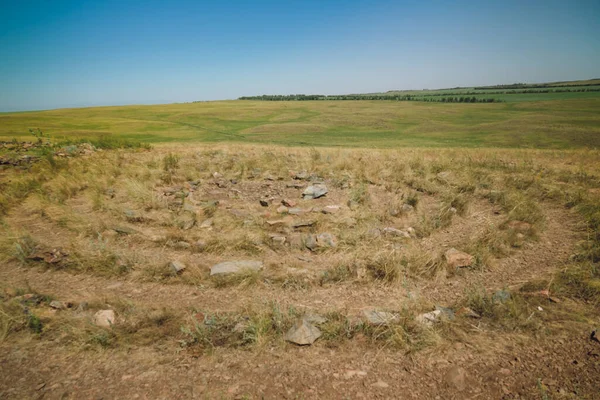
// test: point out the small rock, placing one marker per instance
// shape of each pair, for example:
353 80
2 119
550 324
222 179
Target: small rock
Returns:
315 191
296 211
186 220
330 209
303 333
380 384
428 319
468 312
104 318
124 230
200 245
456 258
282 209
452 210
57 305
83 306
310 241
264 203
234 267
444 176
133 216
278 240
207 223
295 241
375 317
354 373
315 319
288 203
353 205
374 233
406 208
276 222
304 224
456 377
181 245
396 232
217 175
176 267
325 240
501 296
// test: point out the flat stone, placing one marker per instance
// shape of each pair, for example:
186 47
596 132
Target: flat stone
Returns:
406 208
396 232
333 209
310 241
176 266
264 203
296 211
279 240
289 203
124 230
303 224
234 267
456 258
282 210
428 319
380 384
207 223
303 333
375 317
315 191
104 318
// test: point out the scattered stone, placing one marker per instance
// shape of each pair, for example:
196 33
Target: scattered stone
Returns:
234 267
380 384
133 216
326 240
303 175
57 305
303 333
217 175
456 377
296 211
315 191
396 232
295 241
282 210
406 208
181 245
176 267
278 240
315 319
264 203
501 296
428 319
310 241
275 222
375 317
207 223
186 220
456 258
333 209
354 373
411 231
303 224
104 318
294 185
288 203
124 230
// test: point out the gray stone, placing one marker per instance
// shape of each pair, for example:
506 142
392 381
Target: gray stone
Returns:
406 208
428 319
332 209
303 333
186 220
295 241
176 267
314 319
375 317
181 245
303 224
278 240
83 306
234 267
296 211
310 241
326 240
57 305
315 191
501 296
301 175
133 216
282 209
104 318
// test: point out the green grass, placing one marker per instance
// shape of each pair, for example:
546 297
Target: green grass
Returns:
561 121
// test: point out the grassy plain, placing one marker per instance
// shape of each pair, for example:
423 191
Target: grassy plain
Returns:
568 123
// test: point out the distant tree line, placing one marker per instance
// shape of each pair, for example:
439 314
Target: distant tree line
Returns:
533 86
459 98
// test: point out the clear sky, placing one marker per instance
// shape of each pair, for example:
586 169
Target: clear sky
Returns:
79 53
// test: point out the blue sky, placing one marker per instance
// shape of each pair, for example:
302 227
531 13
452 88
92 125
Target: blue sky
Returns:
82 53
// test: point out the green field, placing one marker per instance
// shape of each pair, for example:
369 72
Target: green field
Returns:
570 122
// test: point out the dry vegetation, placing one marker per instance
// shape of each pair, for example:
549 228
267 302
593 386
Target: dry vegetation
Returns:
99 231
